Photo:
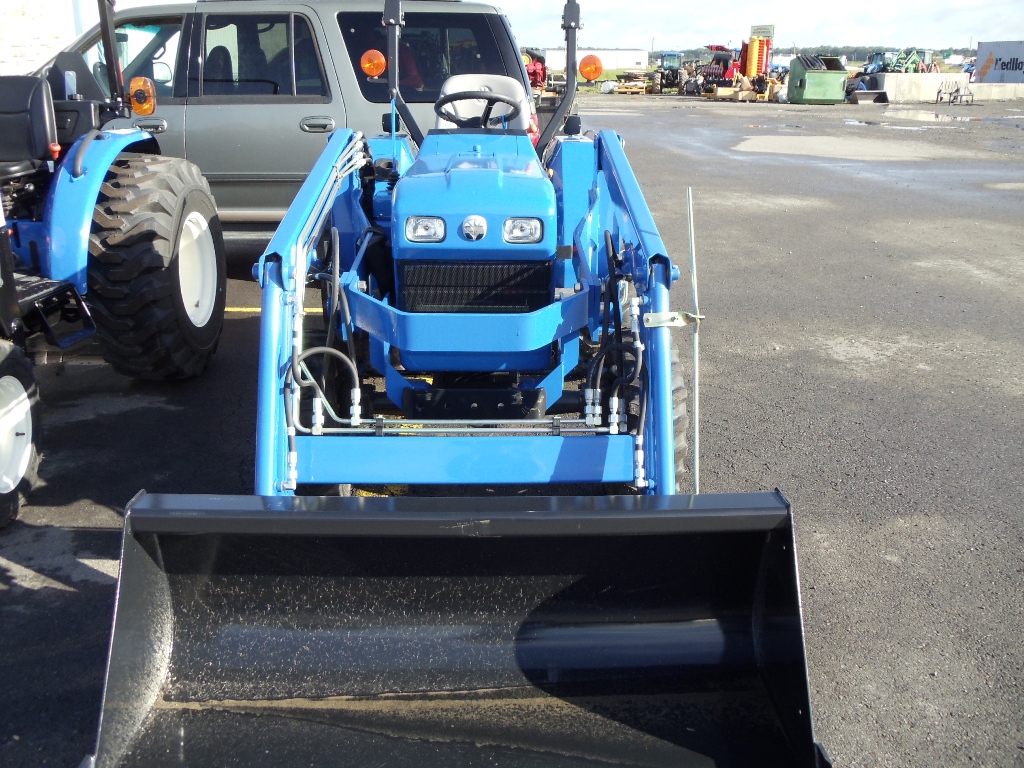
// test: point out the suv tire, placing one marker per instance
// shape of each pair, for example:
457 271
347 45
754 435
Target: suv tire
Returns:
156 273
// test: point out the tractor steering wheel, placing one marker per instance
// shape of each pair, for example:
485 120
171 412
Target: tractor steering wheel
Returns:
485 119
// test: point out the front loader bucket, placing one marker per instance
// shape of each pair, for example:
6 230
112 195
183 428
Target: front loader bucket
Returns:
498 631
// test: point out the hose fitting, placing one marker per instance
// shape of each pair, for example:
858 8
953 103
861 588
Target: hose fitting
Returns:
293 472
356 410
639 474
318 416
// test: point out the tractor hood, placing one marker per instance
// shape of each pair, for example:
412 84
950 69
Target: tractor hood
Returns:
484 178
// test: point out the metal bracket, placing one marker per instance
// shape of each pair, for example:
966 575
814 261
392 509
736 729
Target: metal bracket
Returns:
671 319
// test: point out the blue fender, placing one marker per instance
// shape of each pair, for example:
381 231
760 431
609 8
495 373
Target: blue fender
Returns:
69 206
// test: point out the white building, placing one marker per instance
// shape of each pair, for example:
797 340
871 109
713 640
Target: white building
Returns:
611 58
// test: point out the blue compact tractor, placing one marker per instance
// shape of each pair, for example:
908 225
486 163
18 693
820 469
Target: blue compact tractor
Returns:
102 235
466 545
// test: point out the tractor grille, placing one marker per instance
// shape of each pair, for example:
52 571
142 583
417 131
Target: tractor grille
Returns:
502 286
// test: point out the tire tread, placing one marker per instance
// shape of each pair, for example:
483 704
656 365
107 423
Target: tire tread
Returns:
131 249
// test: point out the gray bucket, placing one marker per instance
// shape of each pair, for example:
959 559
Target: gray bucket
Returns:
500 631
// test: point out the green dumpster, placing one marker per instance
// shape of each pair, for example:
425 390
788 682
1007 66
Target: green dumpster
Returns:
817 80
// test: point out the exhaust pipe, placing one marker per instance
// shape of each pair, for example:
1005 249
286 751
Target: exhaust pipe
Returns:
554 631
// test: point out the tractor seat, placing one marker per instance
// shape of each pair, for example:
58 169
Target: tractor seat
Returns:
500 84
27 125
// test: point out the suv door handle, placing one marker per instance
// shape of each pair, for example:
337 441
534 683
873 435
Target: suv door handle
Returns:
319 124
151 124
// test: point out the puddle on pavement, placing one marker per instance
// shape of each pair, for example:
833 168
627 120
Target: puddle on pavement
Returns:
928 116
862 122
609 113
848 148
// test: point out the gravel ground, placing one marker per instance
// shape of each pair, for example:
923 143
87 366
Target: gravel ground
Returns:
861 272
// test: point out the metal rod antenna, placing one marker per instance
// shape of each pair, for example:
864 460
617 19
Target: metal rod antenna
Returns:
696 344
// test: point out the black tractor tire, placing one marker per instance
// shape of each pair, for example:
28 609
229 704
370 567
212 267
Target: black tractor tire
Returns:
681 421
156 278
20 431
656 84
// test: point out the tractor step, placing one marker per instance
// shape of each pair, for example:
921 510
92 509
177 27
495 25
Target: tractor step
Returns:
47 306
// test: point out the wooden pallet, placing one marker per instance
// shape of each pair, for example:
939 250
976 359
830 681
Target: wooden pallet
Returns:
632 89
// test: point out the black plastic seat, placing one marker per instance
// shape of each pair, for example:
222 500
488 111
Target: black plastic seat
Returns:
27 125
18 168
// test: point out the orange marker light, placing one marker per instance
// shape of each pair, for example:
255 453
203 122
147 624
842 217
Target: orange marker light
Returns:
591 68
373 63
142 93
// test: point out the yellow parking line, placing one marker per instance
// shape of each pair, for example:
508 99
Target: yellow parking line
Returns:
256 310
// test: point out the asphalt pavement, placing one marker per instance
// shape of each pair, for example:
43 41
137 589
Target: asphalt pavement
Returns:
861 273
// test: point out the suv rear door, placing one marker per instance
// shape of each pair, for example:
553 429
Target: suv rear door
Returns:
262 103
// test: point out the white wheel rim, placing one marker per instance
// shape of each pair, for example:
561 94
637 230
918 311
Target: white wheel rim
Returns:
15 433
197 269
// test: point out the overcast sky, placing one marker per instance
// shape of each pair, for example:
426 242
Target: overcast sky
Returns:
671 24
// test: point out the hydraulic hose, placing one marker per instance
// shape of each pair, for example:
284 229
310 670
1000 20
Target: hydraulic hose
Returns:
597 364
298 358
339 298
645 386
613 291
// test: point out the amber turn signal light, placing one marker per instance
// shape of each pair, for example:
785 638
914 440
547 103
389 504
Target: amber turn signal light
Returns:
373 63
142 93
591 68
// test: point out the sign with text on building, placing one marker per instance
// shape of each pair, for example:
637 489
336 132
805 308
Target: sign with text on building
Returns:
763 30
1001 62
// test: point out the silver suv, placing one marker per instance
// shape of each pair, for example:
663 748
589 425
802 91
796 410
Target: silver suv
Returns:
250 91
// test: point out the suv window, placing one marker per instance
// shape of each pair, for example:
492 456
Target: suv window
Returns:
261 55
145 48
434 47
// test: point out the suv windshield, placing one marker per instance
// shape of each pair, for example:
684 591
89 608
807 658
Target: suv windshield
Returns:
145 49
434 47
